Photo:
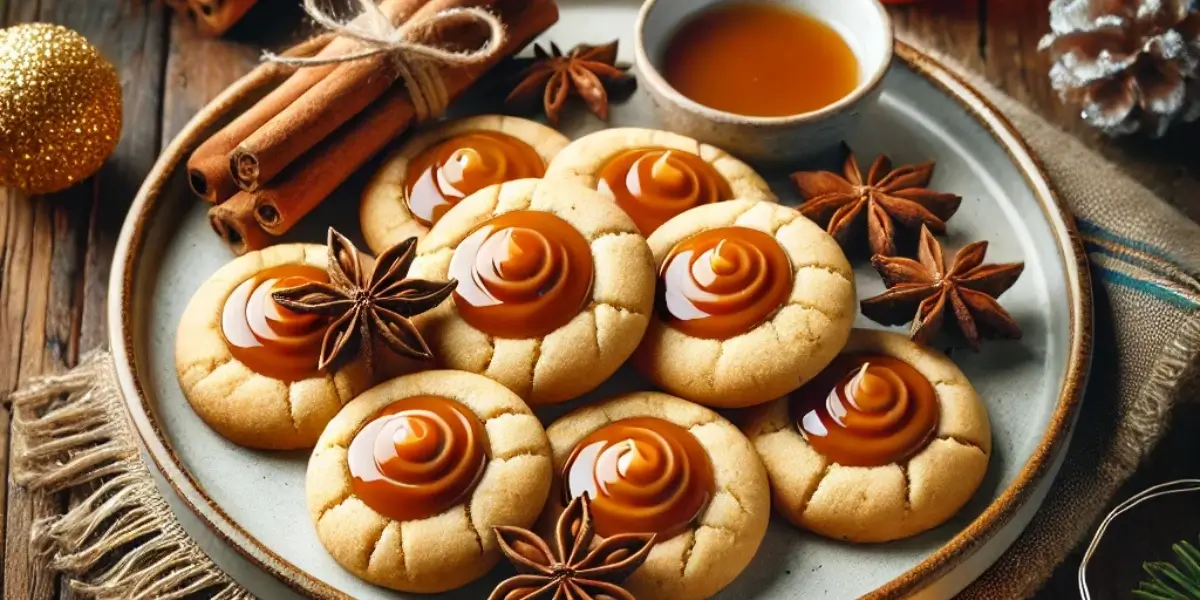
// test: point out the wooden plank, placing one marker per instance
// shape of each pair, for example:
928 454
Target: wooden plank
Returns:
21 11
199 67
24 576
14 268
14 280
73 236
951 27
134 38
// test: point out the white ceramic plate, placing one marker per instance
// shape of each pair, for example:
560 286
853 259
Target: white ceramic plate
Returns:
247 508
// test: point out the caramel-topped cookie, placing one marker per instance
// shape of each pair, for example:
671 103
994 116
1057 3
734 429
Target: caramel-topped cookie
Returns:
555 286
655 175
439 167
753 299
888 441
248 366
407 482
654 463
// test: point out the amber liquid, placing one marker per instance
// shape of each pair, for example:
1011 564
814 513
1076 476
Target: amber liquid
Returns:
760 59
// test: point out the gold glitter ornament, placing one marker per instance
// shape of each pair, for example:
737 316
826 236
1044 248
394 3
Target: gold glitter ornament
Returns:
60 108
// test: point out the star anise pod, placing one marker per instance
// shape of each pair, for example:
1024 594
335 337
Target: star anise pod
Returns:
925 287
586 71
844 203
576 571
365 306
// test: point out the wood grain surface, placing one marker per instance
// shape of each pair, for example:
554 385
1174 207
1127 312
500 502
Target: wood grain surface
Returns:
56 250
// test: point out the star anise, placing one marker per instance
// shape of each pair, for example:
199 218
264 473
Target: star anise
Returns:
586 71
365 306
577 571
924 288
842 203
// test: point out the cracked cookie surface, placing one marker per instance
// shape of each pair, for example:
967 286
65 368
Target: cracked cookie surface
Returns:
775 357
892 501
246 407
581 354
452 548
717 546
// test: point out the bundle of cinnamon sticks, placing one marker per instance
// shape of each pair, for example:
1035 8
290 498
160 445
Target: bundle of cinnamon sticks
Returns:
278 160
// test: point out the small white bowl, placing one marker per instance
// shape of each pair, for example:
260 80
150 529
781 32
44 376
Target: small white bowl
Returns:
865 26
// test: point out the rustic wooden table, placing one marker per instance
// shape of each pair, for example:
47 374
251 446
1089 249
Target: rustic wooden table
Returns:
55 251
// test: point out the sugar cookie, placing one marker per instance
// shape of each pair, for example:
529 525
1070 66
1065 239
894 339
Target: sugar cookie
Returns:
249 369
555 287
910 446
753 300
717 496
408 480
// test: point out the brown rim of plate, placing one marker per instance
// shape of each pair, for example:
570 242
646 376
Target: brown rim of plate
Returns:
135 230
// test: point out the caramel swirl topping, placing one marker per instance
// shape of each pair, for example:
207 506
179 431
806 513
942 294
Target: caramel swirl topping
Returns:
268 338
723 282
417 457
443 174
522 274
654 184
644 475
866 410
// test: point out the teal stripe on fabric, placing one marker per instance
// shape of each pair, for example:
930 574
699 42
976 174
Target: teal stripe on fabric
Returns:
1150 271
1087 227
1147 288
1115 250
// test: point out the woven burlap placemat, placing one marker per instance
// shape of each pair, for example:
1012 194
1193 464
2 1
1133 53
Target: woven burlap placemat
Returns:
122 541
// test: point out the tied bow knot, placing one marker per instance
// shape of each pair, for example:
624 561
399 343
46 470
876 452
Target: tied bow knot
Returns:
416 62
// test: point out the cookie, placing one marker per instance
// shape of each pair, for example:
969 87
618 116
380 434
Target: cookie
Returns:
753 300
717 496
250 370
895 464
655 175
555 286
415 513
440 166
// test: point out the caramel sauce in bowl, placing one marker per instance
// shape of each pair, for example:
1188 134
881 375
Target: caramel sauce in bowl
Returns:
806 98
760 59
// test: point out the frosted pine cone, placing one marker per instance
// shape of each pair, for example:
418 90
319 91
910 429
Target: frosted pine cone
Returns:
1131 65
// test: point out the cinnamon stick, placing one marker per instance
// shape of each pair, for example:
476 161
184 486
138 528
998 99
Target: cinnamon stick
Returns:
320 111
308 181
208 167
234 222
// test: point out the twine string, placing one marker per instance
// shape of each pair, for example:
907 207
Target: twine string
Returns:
417 63
1179 486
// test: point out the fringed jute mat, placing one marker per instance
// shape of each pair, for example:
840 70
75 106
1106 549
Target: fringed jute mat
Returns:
123 541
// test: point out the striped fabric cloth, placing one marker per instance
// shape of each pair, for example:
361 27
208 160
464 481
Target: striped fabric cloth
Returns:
1145 259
